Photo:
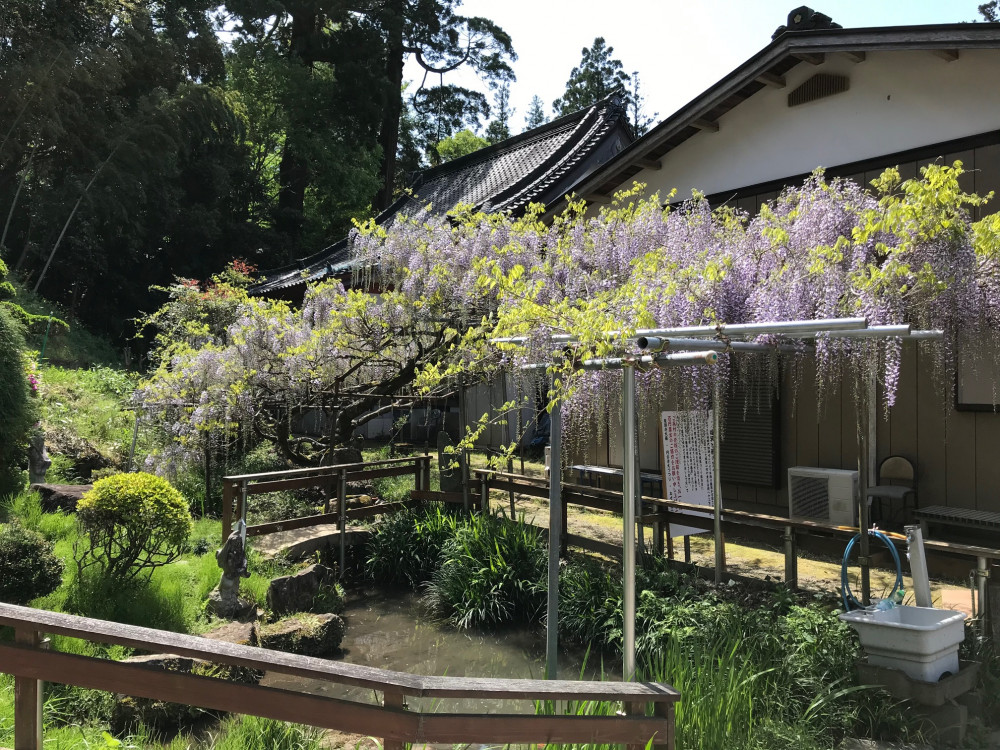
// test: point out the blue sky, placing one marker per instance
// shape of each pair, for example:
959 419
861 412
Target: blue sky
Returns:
679 48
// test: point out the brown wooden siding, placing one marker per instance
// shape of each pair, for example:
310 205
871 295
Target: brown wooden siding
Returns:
956 454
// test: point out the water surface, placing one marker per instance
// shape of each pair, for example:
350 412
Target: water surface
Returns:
392 631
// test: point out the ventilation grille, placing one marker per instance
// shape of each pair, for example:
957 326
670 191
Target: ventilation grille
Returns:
810 497
749 451
819 86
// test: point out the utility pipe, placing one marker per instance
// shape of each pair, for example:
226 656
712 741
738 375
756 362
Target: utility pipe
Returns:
918 565
655 344
677 359
736 329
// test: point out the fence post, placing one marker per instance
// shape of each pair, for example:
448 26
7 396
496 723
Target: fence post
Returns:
665 711
484 495
27 700
227 509
791 558
397 701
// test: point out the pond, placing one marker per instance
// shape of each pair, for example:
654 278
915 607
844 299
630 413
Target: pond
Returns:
390 630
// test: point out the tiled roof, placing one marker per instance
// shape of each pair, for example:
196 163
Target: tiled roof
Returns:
540 165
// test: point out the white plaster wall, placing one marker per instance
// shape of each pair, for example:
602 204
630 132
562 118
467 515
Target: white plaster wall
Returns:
896 101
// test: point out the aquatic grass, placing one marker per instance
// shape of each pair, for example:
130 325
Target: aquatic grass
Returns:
719 689
405 548
492 574
255 733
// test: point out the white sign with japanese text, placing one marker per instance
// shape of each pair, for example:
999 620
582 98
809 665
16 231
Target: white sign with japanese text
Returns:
688 463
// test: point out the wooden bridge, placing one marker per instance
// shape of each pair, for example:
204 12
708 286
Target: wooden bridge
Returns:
648 707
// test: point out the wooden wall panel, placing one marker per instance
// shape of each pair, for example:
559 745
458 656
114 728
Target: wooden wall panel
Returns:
907 170
765 197
806 417
961 457
930 464
987 177
788 435
903 416
987 461
967 182
615 437
649 436
828 432
848 427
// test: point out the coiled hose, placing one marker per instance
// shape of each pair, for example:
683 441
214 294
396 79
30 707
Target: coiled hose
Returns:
850 602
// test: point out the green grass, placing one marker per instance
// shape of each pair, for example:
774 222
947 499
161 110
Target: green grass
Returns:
87 409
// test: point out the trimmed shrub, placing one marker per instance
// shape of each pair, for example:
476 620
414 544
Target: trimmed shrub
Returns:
30 568
134 523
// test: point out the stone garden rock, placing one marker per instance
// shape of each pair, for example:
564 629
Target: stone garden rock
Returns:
168 718
313 588
306 633
60 497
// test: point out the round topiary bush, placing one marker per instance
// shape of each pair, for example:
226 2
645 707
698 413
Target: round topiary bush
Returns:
134 523
30 568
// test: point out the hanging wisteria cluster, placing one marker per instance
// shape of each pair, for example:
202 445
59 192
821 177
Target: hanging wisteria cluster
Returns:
434 297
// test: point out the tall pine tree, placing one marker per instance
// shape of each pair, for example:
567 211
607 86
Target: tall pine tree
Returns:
598 75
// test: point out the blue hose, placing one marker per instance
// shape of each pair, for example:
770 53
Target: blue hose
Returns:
850 602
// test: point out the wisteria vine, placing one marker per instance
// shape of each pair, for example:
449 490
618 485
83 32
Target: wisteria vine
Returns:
435 296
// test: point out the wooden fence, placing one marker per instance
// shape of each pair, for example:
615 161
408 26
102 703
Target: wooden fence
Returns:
658 513
333 479
649 707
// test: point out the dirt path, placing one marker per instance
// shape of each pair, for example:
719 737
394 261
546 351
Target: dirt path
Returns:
749 559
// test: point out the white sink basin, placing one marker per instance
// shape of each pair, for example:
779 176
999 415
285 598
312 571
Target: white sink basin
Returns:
921 641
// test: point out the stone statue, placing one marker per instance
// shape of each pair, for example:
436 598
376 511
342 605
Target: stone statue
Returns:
225 601
38 458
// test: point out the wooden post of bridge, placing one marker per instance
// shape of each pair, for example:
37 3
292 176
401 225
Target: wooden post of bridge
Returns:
27 700
395 700
342 516
665 711
227 509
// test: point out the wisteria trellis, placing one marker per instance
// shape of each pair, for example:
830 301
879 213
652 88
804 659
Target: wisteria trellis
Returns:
433 295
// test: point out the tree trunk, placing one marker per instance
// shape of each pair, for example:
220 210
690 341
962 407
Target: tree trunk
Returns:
389 134
293 172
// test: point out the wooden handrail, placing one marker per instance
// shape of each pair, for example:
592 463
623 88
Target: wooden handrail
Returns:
322 470
29 663
237 487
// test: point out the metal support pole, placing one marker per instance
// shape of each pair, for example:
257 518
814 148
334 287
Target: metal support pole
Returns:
720 540
629 499
555 528
342 517
867 468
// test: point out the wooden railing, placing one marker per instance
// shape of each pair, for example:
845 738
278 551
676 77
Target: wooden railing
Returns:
333 479
649 707
659 512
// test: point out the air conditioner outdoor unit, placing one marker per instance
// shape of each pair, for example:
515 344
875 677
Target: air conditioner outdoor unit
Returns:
827 495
